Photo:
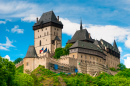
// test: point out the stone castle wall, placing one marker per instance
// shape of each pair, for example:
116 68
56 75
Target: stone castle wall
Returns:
19 64
65 64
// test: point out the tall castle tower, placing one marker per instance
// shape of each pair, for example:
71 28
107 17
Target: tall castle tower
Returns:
47 33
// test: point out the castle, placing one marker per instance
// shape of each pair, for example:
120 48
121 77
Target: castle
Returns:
86 55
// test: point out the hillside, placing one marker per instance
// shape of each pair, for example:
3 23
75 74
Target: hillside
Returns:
45 77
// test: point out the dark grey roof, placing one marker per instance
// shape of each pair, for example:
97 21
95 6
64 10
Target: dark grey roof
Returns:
114 45
57 38
31 53
48 17
87 45
108 45
98 43
81 27
81 35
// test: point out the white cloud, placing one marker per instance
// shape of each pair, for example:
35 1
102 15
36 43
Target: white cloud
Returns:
106 32
120 49
2 22
127 62
69 27
7 45
20 9
7 57
16 29
7 30
30 18
127 42
126 55
3 48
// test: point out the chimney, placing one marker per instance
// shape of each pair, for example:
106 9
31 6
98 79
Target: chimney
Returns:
37 20
89 35
58 18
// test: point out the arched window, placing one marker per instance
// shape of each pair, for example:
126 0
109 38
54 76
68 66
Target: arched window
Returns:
40 43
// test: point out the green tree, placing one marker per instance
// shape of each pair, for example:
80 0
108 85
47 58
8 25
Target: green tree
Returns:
7 72
58 53
18 60
66 49
121 66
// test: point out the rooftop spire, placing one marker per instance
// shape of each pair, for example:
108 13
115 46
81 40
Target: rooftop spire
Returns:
114 45
81 25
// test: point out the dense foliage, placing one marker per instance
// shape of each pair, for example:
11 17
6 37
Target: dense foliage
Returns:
121 66
62 51
18 60
22 79
7 72
10 76
58 53
19 69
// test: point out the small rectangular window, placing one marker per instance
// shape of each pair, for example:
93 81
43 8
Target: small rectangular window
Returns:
27 63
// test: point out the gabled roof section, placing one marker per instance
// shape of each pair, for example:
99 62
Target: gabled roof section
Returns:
81 35
98 43
31 53
108 45
87 45
48 17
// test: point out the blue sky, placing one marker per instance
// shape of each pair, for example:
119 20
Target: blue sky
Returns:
106 19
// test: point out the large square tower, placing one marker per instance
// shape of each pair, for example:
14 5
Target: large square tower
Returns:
47 33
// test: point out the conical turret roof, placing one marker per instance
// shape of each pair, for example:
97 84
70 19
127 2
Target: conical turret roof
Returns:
31 53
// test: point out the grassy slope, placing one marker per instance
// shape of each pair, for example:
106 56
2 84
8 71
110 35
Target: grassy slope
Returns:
19 69
45 77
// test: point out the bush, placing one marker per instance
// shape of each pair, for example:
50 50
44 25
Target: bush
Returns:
112 69
22 79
